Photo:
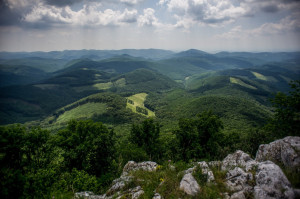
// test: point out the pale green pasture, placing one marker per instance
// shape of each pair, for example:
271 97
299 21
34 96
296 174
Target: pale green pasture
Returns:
84 111
139 100
240 82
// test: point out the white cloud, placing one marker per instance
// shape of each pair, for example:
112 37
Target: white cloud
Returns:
161 2
221 12
148 19
20 4
131 2
128 16
209 12
47 14
90 15
178 6
286 25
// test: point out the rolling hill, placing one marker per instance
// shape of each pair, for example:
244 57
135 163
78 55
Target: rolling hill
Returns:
20 75
236 86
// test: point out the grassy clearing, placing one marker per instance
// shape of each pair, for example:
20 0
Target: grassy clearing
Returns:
264 78
138 100
84 111
259 76
240 82
103 86
120 82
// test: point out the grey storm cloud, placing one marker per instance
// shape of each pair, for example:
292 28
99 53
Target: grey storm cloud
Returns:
270 8
7 16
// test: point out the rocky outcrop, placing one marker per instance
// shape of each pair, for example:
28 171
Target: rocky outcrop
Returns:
238 159
87 195
285 151
118 187
133 166
206 170
245 177
271 182
157 196
189 185
239 182
118 184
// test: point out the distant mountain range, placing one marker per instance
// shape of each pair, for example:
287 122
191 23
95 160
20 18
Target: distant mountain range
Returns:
235 85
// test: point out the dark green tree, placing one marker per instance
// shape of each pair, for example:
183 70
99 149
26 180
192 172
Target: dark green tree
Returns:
12 177
25 161
286 121
37 148
146 136
186 135
200 137
88 146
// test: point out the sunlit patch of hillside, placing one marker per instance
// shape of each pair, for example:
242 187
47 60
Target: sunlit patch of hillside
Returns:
138 100
103 86
234 80
263 77
84 111
259 76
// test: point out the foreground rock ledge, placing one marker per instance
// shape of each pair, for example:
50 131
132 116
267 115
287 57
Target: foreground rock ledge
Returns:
261 178
284 151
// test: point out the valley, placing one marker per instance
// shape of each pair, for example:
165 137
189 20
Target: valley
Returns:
71 120
235 86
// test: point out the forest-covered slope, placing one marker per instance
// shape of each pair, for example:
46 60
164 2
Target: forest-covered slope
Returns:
82 121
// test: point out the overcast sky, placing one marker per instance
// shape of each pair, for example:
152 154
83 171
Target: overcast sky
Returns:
209 25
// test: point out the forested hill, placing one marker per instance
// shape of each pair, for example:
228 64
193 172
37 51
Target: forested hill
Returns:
33 86
84 114
84 155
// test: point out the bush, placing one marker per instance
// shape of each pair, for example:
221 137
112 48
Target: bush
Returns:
199 138
88 146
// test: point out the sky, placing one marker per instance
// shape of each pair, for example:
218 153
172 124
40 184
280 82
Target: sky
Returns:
208 25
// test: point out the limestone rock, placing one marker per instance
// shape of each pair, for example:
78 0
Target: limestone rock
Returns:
118 184
285 151
237 180
136 192
238 195
133 166
189 185
206 170
190 170
215 163
88 195
238 159
271 182
157 196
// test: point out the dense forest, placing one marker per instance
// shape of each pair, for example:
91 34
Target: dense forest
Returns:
87 155
72 124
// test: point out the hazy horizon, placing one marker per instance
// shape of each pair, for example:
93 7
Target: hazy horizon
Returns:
174 51
177 25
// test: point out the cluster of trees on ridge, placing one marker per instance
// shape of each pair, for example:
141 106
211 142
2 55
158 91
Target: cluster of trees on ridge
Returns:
86 155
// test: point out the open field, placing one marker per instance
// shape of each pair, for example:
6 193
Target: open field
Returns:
84 111
240 82
138 101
